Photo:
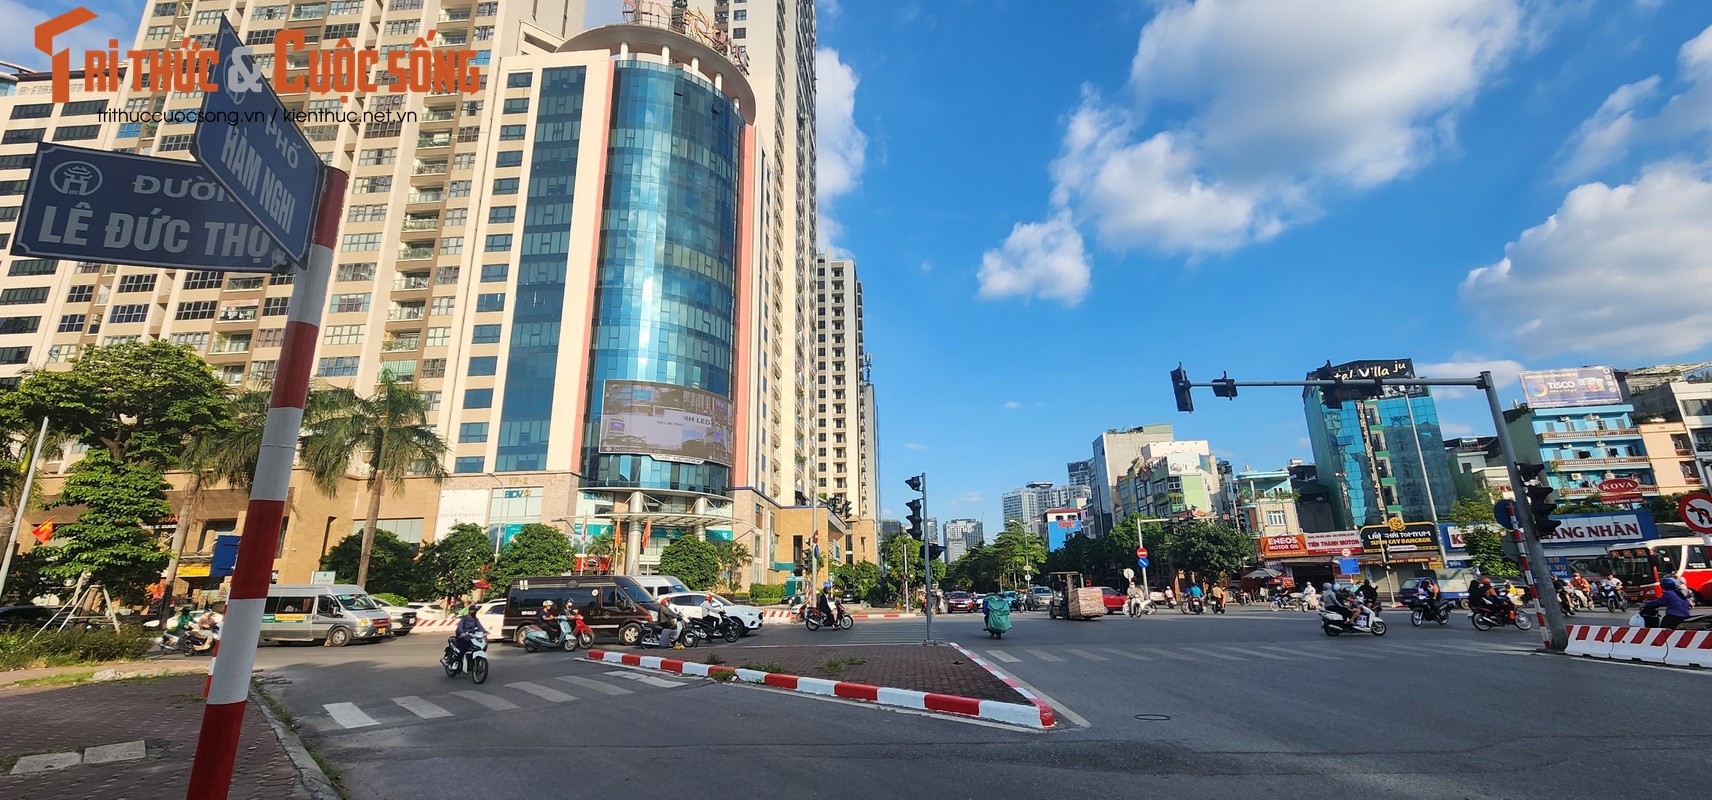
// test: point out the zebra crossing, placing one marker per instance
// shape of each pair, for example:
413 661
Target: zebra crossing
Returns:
485 699
1213 653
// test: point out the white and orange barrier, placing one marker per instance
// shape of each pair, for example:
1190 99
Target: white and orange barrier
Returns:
1690 649
1641 644
1652 645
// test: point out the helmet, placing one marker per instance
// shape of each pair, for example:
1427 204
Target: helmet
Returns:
1485 579
546 604
1668 583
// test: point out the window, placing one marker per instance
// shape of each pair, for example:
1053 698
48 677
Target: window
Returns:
194 341
739 33
360 242
76 133
494 273
509 158
232 343
498 243
270 337
402 28
245 284
62 353
9 213
471 432
500 214
739 15
445 275
177 141
517 80
32 266
345 303
275 306
17 161
490 302
337 367
516 105
13 187
20 324
438 337
198 309
451 245
269 12
433 368
130 130
487 9
144 282
458 189
343 334
1275 519
478 398
72 323
156 33
132 313
344 30
373 183
442 306
203 280
456 217
23 296
356 272
342 7
484 334
468 464
507 133
505 186
377 156
309 11
372 212
33 111
482 366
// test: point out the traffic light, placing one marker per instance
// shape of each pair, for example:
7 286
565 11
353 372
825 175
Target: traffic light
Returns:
1180 387
1542 500
1530 472
1224 387
917 483
913 520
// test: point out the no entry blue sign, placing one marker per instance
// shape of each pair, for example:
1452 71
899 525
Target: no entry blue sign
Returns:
118 208
255 151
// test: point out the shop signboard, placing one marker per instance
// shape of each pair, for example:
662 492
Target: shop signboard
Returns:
1292 545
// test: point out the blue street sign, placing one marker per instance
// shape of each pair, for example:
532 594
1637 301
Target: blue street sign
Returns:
1142 562
249 145
1348 566
119 208
225 556
1504 512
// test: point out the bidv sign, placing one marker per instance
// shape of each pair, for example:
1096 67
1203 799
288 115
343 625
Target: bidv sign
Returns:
118 208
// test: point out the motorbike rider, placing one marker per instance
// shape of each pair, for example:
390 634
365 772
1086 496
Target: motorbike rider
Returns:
1483 596
1580 589
1194 596
184 621
1429 594
712 612
671 626
208 625
1369 594
548 621
1219 595
1675 607
824 604
1332 600
468 625
1560 587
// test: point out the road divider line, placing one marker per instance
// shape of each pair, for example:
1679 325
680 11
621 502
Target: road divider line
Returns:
545 693
488 700
1004 656
1169 654
590 683
1248 651
421 708
349 716
1043 655
1300 653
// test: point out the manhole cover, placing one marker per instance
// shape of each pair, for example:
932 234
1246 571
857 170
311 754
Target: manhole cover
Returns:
1154 717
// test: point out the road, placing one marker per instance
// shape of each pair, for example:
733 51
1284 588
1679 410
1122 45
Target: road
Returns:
1256 702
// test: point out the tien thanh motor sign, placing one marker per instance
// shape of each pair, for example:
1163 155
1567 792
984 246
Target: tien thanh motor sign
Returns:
261 157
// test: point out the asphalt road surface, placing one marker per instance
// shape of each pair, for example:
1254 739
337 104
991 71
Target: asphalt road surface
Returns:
1255 703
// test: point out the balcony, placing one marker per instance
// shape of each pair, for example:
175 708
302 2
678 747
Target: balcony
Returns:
436 139
455 15
1580 464
400 344
1602 433
439 115
422 223
415 253
1579 491
403 313
429 168
427 197
411 280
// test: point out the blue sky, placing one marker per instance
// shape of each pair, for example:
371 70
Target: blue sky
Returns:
1050 209
1253 187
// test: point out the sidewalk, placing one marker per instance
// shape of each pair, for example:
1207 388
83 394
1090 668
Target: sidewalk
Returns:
163 713
940 670
108 672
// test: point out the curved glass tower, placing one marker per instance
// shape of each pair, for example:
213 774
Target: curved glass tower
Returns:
665 284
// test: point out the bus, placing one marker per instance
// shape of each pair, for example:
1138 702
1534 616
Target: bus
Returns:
1641 565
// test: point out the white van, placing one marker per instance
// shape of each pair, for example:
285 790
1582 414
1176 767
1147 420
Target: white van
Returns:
332 615
657 585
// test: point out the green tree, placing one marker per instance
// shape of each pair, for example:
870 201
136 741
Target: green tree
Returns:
733 558
1482 537
139 401
692 561
392 565
1210 551
388 430
113 539
977 570
29 576
454 563
1020 554
224 452
536 550
902 557
860 578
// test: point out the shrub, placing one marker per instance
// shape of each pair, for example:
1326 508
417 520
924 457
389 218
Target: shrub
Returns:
766 593
390 599
72 646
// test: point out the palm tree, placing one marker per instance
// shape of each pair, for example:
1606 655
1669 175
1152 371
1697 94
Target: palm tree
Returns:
223 454
389 430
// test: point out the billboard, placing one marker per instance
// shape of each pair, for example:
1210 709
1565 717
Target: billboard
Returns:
1583 386
667 422
1584 530
1368 370
1290 545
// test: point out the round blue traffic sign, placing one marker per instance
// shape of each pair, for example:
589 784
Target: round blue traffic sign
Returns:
1142 562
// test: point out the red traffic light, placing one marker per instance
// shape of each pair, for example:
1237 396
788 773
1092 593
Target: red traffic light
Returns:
1141 552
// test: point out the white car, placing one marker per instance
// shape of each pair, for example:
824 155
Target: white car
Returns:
491 614
403 619
427 611
690 604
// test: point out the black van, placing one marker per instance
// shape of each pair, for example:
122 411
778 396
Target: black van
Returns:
613 605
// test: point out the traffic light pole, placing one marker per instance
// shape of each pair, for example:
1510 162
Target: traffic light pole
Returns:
1550 615
927 560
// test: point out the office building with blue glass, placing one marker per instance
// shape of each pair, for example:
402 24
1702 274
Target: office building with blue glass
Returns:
1379 457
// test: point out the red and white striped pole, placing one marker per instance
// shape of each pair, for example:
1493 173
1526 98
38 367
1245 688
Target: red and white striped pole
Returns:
229 686
1539 593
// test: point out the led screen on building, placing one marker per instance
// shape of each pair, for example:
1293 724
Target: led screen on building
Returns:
1585 386
666 422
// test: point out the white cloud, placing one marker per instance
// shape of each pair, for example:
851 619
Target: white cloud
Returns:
915 446
20 19
1248 113
1044 259
1618 271
841 146
967 499
1013 405
1455 430
1637 116
1462 365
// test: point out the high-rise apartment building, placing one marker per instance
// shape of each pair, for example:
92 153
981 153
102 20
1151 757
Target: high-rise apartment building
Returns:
619 226
1027 504
843 395
967 531
1081 473
1114 452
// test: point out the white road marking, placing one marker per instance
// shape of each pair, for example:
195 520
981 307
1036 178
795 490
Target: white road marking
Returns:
1299 653
543 692
494 703
1003 656
1170 654
1365 654
1214 654
1043 655
348 715
1085 654
1252 652
648 679
421 708
590 683
1126 654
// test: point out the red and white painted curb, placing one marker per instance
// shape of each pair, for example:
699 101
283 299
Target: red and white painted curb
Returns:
1652 645
773 613
1037 715
1046 715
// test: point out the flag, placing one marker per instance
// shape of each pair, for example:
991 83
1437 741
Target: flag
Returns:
647 531
43 532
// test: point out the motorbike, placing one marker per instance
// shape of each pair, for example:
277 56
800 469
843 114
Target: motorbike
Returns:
1611 598
651 633
1429 611
535 639
1652 617
1137 606
1486 619
1217 604
720 626
474 662
816 619
181 640
998 620
1192 606
1333 624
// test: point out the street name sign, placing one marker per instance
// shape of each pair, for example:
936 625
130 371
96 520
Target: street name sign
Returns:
119 208
259 155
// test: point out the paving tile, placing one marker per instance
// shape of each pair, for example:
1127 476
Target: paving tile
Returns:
108 753
46 761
